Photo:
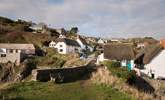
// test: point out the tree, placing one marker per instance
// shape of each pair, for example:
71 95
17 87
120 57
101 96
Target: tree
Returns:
74 30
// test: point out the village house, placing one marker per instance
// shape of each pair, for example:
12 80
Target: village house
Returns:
61 31
83 44
140 45
52 44
15 52
145 42
39 28
151 62
101 41
65 45
118 52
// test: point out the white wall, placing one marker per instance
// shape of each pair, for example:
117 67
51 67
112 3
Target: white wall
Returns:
81 44
66 49
100 58
100 41
52 44
63 47
14 57
157 65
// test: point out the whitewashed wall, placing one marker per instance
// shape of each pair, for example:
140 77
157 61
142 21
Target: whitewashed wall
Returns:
157 65
63 47
81 44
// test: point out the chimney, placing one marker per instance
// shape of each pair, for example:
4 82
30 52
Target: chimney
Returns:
162 42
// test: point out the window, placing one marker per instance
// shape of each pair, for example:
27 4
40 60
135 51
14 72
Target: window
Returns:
11 51
60 45
16 51
61 50
76 49
3 55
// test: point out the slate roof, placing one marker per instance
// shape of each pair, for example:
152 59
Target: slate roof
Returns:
69 42
16 46
82 40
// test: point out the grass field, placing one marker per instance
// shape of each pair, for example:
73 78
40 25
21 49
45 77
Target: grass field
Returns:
69 91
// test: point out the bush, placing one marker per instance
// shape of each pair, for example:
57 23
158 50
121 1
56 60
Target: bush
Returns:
116 69
112 64
131 79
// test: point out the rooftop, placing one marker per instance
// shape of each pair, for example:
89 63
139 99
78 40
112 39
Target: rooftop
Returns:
119 51
68 41
16 46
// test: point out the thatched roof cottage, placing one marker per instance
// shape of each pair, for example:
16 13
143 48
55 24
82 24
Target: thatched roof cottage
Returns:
119 52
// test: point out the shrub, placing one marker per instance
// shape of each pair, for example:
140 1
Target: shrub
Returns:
116 70
112 63
131 79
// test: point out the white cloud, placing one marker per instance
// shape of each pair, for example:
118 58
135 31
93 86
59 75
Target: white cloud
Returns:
109 17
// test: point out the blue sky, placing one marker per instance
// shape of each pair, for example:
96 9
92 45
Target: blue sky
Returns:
102 18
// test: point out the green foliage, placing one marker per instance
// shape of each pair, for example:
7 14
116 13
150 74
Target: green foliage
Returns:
112 64
5 20
74 30
131 79
116 70
68 91
97 53
52 59
32 63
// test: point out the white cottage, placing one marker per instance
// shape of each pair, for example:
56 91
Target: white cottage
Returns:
101 41
65 46
52 44
118 52
151 61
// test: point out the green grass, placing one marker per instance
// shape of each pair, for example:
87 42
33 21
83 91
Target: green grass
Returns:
121 72
69 91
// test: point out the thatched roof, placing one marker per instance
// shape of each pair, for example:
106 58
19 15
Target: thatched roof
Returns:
119 52
69 42
149 53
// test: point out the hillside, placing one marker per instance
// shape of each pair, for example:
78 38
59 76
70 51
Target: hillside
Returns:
81 90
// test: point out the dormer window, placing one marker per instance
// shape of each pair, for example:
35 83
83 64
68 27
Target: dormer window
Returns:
3 55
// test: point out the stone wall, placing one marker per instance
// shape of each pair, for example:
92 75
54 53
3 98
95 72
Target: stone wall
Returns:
60 75
12 57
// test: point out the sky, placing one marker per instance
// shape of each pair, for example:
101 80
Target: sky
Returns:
99 18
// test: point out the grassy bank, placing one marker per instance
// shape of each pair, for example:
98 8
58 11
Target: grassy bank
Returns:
70 91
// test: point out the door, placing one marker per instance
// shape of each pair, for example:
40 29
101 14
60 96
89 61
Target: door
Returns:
129 65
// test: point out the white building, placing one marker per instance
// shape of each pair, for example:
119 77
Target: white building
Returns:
65 46
15 52
118 52
101 41
156 66
83 44
52 44
152 61
39 28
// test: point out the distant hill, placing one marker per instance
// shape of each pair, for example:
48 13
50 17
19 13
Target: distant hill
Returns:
18 32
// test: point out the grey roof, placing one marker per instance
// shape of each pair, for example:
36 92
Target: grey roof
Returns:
119 51
16 46
68 41
82 40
